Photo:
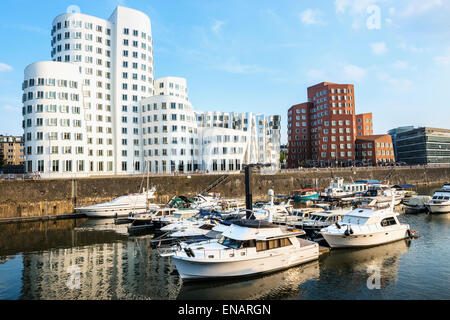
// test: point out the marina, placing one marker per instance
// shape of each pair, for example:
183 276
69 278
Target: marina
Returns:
38 259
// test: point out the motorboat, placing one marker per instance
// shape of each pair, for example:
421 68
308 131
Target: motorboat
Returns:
366 227
144 222
440 203
178 215
338 190
416 204
120 206
382 193
304 195
407 190
319 220
247 247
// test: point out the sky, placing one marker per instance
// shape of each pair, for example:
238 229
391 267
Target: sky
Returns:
260 55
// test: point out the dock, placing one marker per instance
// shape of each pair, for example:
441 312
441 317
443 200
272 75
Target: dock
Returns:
323 250
41 218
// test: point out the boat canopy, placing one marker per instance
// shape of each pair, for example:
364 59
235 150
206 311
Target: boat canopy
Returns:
255 224
404 186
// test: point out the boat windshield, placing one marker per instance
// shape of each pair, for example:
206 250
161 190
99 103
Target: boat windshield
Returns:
354 220
236 244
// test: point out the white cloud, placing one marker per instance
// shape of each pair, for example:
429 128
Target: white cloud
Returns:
311 17
402 65
315 74
444 60
356 8
410 48
217 26
395 83
379 48
9 108
416 7
354 73
4 67
235 67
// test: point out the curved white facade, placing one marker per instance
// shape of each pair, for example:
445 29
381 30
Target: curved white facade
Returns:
170 134
124 118
115 57
54 119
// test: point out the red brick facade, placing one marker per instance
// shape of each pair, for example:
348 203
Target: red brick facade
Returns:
326 130
375 149
364 124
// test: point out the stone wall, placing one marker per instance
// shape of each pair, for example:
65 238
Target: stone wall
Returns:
55 197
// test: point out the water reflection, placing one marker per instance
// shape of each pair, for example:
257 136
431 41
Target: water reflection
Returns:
348 270
123 270
279 285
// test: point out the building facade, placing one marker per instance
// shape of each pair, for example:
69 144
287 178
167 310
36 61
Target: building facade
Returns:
394 132
96 109
11 150
363 124
374 149
179 139
423 146
322 131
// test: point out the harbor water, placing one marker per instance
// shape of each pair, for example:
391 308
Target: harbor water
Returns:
96 259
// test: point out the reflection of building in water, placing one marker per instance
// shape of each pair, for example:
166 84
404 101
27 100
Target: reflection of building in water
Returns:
349 270
121 270
279 285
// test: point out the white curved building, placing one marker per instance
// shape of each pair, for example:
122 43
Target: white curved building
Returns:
115 57
170 133
54 119
123 118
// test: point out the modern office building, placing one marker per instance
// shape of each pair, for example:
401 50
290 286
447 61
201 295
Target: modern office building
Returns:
394 132
323 129
177 138
11 150
96 109
424 145
374 149
363 124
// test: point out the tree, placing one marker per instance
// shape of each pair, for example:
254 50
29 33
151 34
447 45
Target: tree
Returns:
282 157
2 162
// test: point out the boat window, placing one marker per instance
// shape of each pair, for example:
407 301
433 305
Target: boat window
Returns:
435 197
272 244
230 243
388 222
446 198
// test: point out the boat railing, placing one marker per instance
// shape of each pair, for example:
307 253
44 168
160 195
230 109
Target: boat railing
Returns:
207 254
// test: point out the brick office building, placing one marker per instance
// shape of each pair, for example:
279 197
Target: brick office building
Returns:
363 124
376 149
322 131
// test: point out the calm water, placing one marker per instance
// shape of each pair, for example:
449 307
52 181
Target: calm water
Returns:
36 260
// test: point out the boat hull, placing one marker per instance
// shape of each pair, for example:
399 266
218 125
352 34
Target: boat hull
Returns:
190 269
366 240
438 208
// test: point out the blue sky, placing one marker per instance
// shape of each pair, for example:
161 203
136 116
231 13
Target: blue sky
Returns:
260 55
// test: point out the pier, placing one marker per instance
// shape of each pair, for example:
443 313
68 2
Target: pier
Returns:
30 199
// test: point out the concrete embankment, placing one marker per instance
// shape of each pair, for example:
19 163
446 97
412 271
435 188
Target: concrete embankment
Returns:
41 198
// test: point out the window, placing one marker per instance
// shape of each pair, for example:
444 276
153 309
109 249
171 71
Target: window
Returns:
388 222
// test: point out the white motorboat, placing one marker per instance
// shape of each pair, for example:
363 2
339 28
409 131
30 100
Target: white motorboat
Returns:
416 204
121 206
321 219
440 203
178 215
382 193
366 227
248 247
336 190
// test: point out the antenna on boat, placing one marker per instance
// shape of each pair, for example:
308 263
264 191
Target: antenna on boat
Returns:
393 202
148 177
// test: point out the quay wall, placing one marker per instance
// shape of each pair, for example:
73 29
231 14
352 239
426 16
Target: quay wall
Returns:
34 198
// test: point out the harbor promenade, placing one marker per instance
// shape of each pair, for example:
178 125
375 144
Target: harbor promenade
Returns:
27 199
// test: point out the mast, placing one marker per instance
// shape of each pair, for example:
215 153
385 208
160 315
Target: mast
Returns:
148 177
